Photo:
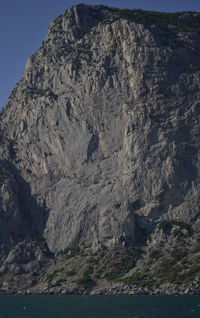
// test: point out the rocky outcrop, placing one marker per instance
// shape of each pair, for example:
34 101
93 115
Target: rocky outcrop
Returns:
100 138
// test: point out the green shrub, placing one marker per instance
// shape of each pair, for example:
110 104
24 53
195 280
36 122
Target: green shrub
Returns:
52 275
155 254
136 279
71 273
33 282
111 276
159 19
86 278
167 226
34 274
88 271
194 269
196 248
178 254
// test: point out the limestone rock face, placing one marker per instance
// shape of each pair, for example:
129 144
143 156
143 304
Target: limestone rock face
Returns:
100 138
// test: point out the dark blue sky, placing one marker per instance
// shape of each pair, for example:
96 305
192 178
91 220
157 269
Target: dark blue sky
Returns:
24 24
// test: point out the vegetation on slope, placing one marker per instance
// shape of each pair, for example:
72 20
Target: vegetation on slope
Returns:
177 22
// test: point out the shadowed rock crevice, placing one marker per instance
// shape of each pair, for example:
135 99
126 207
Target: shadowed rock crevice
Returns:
92 147
68 109
21 216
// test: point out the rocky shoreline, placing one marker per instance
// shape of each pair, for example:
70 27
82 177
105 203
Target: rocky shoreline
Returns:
115 289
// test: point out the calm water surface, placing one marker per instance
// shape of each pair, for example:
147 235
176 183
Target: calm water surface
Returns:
99 306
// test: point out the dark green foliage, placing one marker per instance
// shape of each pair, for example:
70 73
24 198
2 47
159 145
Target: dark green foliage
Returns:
139 279
196 248
51 276
34 91
88 271
123 264
155 254
159 19
174 275
194 269
71 273
93 260
33 282
86 278
59 282
178 254
167 226
167 271
3 141
34 274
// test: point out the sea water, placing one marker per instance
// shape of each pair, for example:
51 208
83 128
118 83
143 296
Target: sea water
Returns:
99 306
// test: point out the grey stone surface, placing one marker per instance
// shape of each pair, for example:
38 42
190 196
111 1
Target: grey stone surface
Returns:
100 137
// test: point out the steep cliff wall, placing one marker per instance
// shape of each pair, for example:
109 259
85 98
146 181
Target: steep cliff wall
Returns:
100 138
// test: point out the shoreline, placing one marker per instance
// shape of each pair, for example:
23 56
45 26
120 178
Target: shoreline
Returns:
111 290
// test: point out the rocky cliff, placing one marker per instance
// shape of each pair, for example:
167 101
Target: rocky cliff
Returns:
100 140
